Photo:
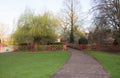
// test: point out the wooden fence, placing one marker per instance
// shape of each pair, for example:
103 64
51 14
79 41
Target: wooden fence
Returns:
53 47
34 47
91 46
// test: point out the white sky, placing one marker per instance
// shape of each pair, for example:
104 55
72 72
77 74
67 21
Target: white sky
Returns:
10 10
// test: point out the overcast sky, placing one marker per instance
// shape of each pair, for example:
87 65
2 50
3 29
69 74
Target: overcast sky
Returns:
10 10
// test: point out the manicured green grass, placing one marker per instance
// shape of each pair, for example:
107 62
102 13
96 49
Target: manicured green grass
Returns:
110 61
31 65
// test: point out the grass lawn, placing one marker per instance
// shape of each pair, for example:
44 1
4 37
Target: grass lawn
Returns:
31 65
110 61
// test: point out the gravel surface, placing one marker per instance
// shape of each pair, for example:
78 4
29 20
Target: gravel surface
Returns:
81 65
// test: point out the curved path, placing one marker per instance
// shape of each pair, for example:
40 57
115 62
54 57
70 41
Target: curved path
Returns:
81 65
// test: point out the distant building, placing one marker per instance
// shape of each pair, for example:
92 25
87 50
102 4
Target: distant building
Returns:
59 39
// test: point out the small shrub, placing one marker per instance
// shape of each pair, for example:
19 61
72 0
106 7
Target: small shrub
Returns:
56 43
83 41
42 47
24 48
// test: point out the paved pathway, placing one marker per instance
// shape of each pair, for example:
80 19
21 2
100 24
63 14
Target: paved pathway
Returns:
81 65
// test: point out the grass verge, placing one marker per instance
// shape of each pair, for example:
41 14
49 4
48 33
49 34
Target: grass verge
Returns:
110 61
31 65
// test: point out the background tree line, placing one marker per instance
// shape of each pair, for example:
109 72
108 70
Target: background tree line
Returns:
106 20
47 27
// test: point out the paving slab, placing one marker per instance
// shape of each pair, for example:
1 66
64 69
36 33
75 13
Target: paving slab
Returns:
81 65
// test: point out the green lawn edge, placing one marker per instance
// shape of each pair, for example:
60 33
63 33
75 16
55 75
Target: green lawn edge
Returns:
111 62
31 65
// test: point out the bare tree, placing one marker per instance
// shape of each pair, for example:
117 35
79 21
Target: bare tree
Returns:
3 31
107 16
70 11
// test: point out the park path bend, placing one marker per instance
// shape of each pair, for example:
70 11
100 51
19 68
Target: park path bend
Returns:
81 65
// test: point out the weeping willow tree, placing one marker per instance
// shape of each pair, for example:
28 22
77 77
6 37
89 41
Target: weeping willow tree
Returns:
36 28
44 27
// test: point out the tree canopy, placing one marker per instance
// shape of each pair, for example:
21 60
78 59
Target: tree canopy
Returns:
33 28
